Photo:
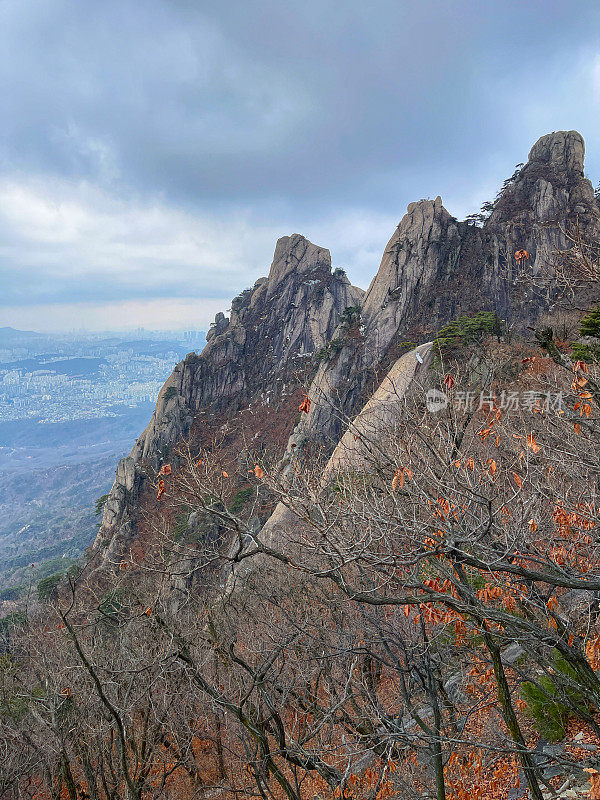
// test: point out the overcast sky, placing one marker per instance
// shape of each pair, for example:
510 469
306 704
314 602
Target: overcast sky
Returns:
152 151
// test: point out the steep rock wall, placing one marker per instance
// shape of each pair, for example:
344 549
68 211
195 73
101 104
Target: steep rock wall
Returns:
361 441
358 446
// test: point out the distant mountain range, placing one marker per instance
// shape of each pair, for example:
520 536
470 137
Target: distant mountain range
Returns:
11 335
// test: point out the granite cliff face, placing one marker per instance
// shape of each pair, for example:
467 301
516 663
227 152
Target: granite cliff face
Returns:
359 446
270 337
434 268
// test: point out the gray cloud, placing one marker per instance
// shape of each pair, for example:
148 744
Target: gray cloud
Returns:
157 148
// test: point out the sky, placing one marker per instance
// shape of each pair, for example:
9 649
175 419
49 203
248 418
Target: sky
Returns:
152 151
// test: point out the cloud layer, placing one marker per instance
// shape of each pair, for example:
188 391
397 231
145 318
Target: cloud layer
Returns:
152 151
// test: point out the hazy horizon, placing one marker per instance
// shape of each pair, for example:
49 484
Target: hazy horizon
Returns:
101 331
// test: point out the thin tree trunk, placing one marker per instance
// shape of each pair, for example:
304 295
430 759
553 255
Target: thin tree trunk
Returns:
222 772
68 777
511 720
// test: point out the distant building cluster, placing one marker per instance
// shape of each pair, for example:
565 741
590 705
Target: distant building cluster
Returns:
78 376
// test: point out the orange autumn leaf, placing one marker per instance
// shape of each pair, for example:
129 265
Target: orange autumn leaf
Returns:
148 612
517 479
594 781
161 489
532 525
577 428
225 475
531 443
258 472
580 365
305 404
398 479
492 465
165 469
449 382
445 505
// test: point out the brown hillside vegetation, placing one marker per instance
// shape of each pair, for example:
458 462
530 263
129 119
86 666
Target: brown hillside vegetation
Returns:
408 633
401 599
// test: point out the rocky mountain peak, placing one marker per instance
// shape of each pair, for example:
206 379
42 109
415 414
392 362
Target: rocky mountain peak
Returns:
425 209
563 151
549 189
256 356
295 254
408 254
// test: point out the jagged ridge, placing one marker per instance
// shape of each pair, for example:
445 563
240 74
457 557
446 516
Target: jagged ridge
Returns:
433 269
273 330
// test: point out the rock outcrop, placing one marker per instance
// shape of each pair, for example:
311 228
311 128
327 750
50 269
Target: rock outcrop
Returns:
435 268
359 447
271 335
361 443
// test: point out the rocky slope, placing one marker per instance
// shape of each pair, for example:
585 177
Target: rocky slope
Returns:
360 445
251 358
434 268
